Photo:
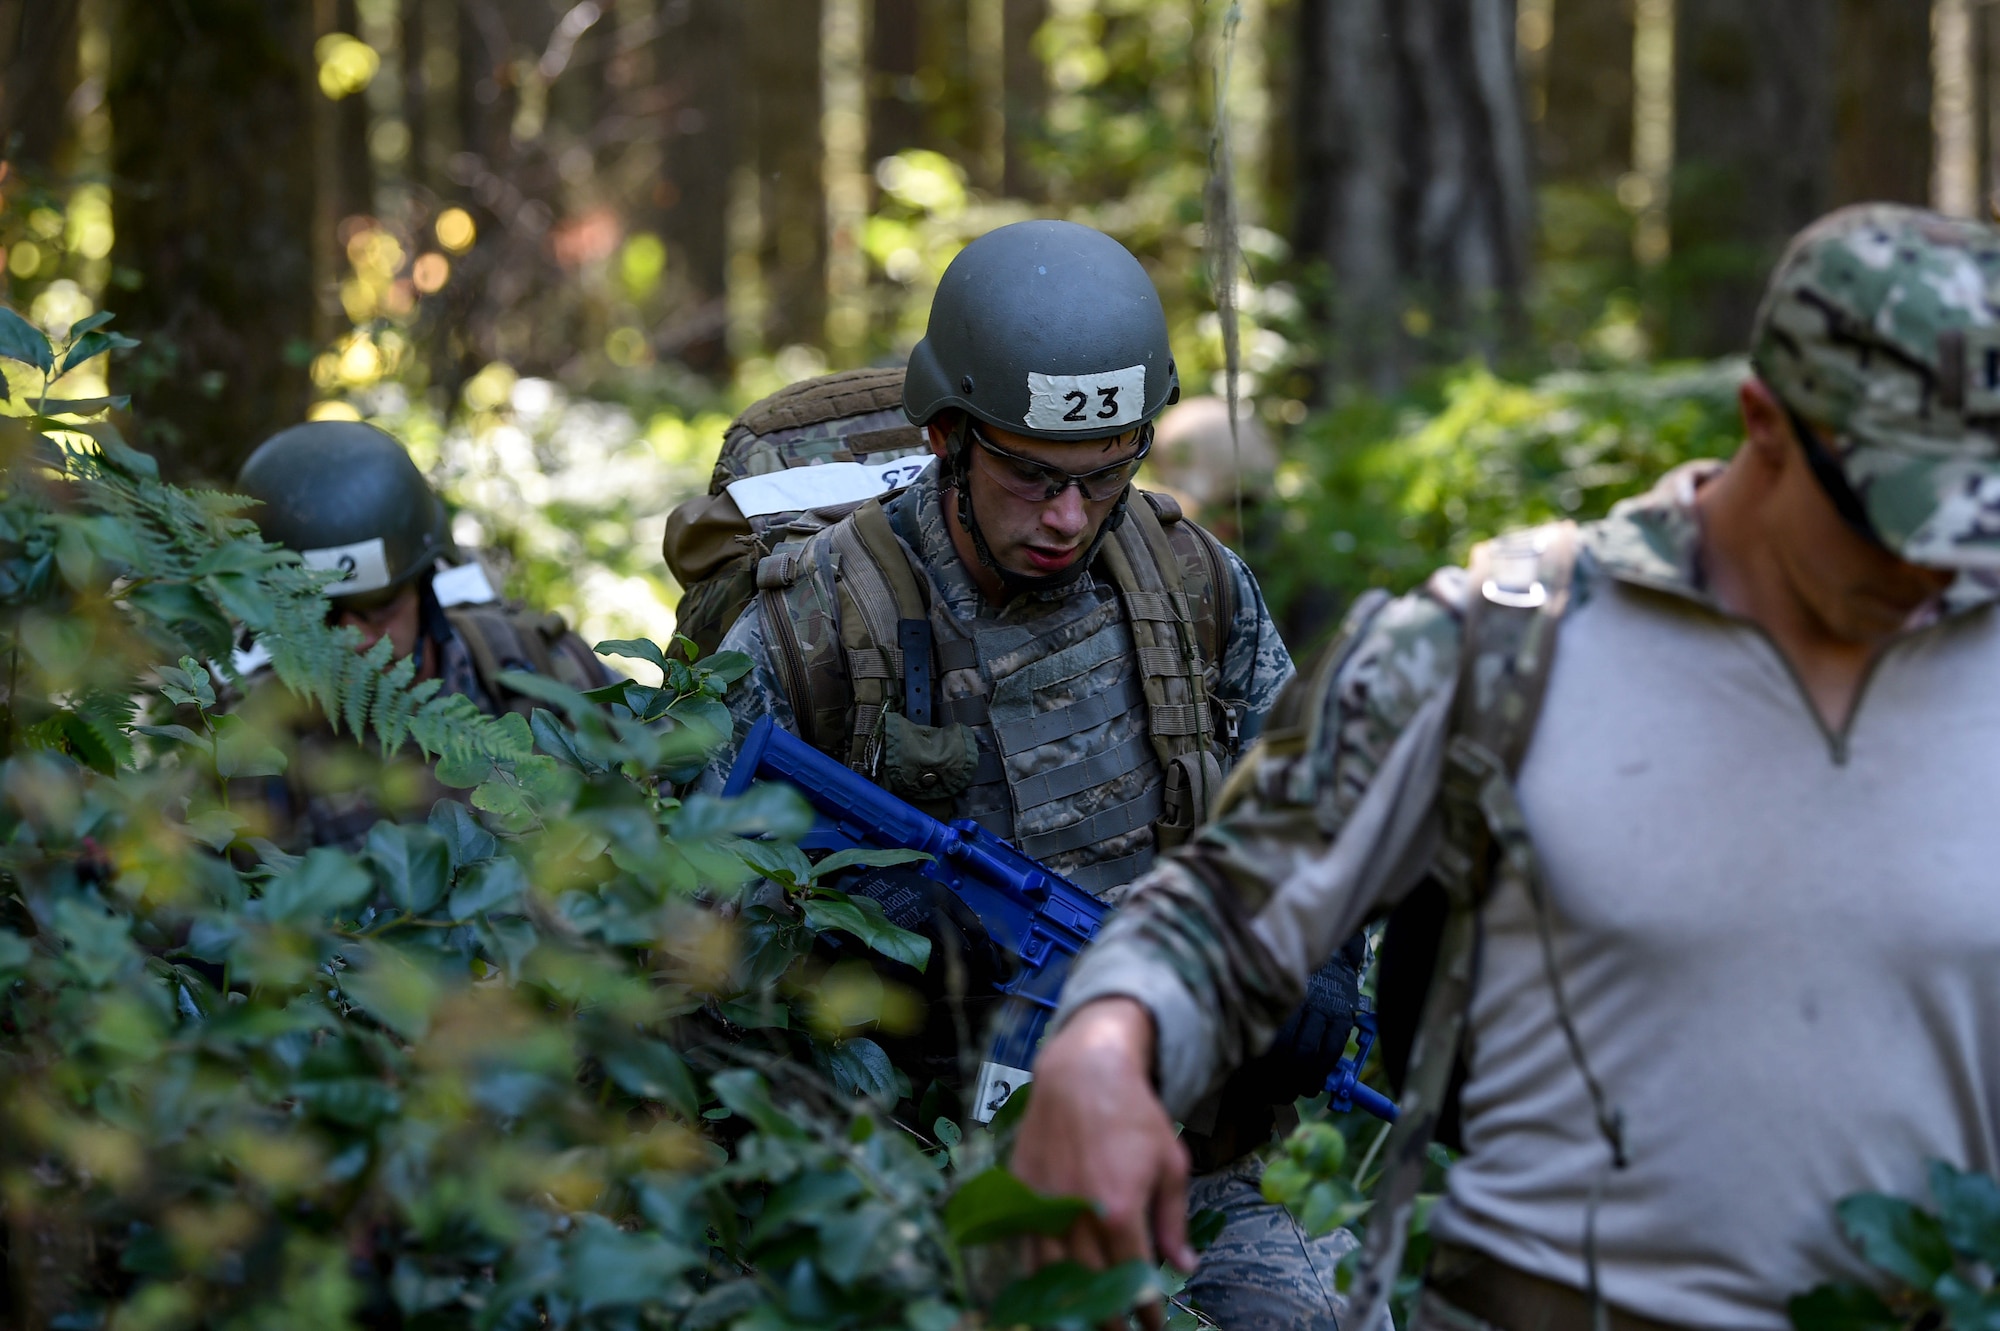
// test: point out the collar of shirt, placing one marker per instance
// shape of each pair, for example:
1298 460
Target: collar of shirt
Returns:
1654 540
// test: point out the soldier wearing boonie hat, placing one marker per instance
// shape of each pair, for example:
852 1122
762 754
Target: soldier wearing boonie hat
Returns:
1705 789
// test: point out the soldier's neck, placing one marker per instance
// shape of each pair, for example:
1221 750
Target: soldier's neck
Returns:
985 579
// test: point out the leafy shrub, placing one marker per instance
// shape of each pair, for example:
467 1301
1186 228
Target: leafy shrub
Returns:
554 1063
1376 493
1938 1265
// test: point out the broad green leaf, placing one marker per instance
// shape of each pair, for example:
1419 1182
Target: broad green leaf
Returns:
96 943
414 864
1967 1307
465 840
868 857
216 828
609 1268
496 884
1895 1235
507 802
728 667
777 860
994 1205
91 323
745 1094
652 1070
545 689
22 341
770 806
179 734
116 451
241 750
863 918
634 649
1969 1209
1067 1295
91 343
1842 1308
860 1068
80 406
322 885
393 988
556 740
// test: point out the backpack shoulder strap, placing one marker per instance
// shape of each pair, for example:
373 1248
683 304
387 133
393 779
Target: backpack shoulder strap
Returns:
503 637
1520 587
834 607
1205 572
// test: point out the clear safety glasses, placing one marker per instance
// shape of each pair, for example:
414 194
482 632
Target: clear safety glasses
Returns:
1028 479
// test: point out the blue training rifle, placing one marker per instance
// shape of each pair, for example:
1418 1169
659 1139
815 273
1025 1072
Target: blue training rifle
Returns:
1040 919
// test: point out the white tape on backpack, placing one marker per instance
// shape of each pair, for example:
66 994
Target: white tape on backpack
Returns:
796 489
1087 403
366 564
464 584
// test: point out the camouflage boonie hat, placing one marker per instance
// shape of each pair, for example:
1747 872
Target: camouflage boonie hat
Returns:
1882 323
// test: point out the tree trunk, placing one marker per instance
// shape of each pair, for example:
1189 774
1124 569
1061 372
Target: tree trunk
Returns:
1027 95
782 77
1882 102
37 75
1413 188
1586 129
895 95
700 55
212 104
1754 153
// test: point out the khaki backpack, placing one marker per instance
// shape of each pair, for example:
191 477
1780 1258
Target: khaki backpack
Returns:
849 427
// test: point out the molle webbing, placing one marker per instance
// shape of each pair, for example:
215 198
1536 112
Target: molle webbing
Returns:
839 612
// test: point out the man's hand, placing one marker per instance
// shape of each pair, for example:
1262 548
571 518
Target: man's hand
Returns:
1094 1129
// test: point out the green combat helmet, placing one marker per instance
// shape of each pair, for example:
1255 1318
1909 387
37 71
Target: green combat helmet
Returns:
346 496
1046 329
1882 324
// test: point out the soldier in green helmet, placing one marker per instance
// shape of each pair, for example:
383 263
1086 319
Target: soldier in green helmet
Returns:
1013 633
1733 908
347 497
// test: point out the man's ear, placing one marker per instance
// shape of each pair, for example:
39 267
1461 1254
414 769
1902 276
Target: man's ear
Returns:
1767 427
938 432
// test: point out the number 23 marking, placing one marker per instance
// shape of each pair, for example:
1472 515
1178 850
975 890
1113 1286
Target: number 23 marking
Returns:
1078 400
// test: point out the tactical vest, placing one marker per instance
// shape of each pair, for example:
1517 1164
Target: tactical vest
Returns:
1091 736
713 542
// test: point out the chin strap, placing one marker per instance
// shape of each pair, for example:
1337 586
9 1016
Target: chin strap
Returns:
957 475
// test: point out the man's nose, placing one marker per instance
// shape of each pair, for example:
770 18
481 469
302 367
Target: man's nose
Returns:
1065 515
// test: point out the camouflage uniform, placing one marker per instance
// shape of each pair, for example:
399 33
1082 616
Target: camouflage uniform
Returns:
1882 325
1262 1271
1254 668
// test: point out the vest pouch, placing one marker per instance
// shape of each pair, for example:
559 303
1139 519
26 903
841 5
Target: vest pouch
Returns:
926 762
1194 783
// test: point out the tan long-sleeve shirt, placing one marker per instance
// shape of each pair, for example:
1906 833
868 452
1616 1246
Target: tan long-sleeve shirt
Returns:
1782 947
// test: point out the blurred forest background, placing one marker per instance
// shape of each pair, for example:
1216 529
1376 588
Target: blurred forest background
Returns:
1489 249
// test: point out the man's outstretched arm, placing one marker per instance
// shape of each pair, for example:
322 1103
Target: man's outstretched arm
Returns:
1209 954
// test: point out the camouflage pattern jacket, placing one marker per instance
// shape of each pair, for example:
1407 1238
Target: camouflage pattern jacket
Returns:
1253 669
1761 923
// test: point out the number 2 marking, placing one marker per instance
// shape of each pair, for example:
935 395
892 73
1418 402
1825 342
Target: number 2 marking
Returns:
1079 401
1110 399
347 567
